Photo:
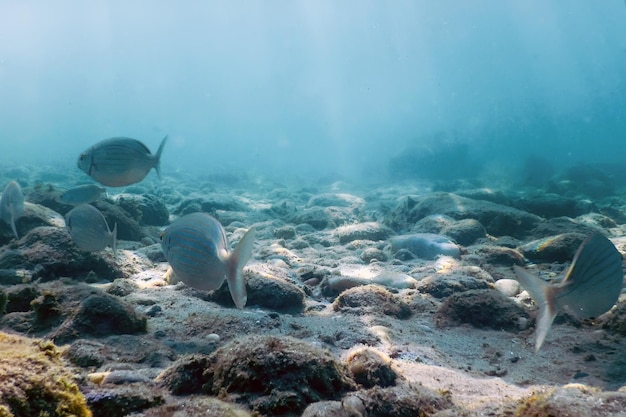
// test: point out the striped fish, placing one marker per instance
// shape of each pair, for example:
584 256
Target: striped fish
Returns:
120 161
89 229
591 286
196 248
12 204
82 194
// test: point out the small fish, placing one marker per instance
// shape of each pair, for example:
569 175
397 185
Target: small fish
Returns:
196 248
591 286
82 194
89 229
120 161
12 204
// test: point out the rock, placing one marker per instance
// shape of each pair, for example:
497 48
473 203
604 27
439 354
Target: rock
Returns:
596 221
300 374
373 254
550 205
481 309
34 216
209 204
362 231
370 367
86 353
335 284
572 400
465 232
316 217
433 223
371 299
331 409
122 401
50 253
615 320
402 401
508 287
497 255
269 287
3 301
498 220
335 200
285 232
122 287
101 315
441 286
425 245
127 227
18 298
146 209
560 225
560 248
195 407
35 382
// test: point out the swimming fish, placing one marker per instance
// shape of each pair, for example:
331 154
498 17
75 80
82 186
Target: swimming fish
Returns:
12 204
89 229
196 248
425 245
591 286
82 194
120 161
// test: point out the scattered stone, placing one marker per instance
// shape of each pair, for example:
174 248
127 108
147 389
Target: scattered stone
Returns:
331 409
433 223
482 309
316 217
35 382
19 297
508 287
372 299
425 245
562 225
362 231
551 205
300 374
335 284
615 320
336 200
127 227
195 407
370 367
86 353
122 287
560 248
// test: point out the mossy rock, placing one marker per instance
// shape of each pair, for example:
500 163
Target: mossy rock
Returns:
272 375
34 381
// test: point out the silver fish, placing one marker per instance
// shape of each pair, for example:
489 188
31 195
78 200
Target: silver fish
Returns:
82 194
591 286
196 248
89 229
120 161
12 204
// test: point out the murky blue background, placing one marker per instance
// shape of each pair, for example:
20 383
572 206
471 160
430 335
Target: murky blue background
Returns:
314 88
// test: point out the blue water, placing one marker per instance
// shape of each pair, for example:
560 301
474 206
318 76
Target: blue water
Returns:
314 88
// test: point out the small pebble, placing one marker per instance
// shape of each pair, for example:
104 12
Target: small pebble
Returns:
153 311
508 287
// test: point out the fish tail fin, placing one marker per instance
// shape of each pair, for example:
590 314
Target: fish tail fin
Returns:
542 294
114 240
158 156
238 259
13 227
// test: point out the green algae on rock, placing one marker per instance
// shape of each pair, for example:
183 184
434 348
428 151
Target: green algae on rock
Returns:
35 382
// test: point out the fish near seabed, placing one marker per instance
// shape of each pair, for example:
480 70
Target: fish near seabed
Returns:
12 204
82 194
196 248
591 286
120 161
89 229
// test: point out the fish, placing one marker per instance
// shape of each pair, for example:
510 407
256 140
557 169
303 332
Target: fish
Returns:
198 252
12 204
89 229
82 194
425 245
591 286
120 161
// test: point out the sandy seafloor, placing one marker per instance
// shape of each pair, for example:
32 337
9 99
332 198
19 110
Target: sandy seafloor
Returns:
314 237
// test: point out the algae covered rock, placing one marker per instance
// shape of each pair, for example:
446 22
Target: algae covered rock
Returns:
372 299
274 375
34 382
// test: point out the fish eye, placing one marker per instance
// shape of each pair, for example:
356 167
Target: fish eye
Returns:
161 235
82 156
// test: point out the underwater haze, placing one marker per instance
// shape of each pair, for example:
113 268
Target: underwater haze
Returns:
306 89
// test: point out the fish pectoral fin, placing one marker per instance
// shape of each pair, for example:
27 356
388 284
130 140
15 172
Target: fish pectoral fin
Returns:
237 260
543 295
